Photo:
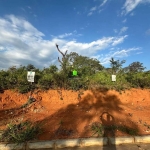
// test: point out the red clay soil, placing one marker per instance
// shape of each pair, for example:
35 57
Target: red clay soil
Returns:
69 114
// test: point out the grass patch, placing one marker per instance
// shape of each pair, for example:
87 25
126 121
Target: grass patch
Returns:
99 129
30 101
20 133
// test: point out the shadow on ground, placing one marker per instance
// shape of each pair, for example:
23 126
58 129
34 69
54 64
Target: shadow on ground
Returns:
96 106
75 120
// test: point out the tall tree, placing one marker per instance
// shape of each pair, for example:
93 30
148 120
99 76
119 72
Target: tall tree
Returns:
63 76
136 67
30 67
116 65
63 61
84 65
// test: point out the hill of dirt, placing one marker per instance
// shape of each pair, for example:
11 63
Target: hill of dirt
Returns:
69 114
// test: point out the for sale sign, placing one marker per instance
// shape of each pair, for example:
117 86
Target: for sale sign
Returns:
30 76
113 77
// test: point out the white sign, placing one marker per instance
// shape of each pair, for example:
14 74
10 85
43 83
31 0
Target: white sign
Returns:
113 77
30 76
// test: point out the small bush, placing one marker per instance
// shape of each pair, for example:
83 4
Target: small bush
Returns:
76 83
26 87
128 130
97 128
100 129
45 82
139 79
20 133
30 101
23 89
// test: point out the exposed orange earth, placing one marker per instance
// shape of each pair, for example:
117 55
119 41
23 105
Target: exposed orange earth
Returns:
69 114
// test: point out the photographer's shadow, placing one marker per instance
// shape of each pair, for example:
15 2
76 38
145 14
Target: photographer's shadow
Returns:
107 122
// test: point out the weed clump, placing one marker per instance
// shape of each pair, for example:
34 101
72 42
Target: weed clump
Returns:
100 129
97 128
20 133
30 101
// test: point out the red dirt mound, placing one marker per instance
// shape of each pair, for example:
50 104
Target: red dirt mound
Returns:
69 114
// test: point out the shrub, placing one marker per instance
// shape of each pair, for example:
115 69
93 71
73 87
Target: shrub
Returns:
4 80
23 89
30 101
97 128
100 129
103 79
46 82
20 133
128 130
76 83
139 79
59 80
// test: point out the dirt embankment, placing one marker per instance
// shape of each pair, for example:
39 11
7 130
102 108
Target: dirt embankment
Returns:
69 114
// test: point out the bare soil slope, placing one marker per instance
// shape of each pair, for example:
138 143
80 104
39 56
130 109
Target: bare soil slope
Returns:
68 114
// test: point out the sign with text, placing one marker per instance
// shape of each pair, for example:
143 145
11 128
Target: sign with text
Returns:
30 76
113 77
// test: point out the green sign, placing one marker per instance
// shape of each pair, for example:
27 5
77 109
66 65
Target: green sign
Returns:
74 73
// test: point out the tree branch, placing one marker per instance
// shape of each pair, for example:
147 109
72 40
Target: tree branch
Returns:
66 52
59 50
59 60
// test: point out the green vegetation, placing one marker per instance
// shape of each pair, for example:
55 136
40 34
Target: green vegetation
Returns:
30 101
100 129
97 128
90 73
20 133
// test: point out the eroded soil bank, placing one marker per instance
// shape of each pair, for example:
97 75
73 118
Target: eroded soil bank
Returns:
69 114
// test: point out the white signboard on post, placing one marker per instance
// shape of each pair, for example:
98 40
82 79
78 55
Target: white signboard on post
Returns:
113 78
30 76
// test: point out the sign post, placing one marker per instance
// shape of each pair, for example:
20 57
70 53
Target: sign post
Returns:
30 78
113 78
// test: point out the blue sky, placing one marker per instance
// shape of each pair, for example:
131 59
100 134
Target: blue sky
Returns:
29 30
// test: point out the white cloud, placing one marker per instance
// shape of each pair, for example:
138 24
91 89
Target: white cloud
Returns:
119 40
90 13
1 48
124 52
148 32
93 8
91 48
21 44
132 14
115 30
130 5
64 35
29 7
139 53
103 3
124 21
118 54
123 29
97 9
22 9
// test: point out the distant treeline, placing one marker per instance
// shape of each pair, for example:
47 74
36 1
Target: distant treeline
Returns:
90 74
